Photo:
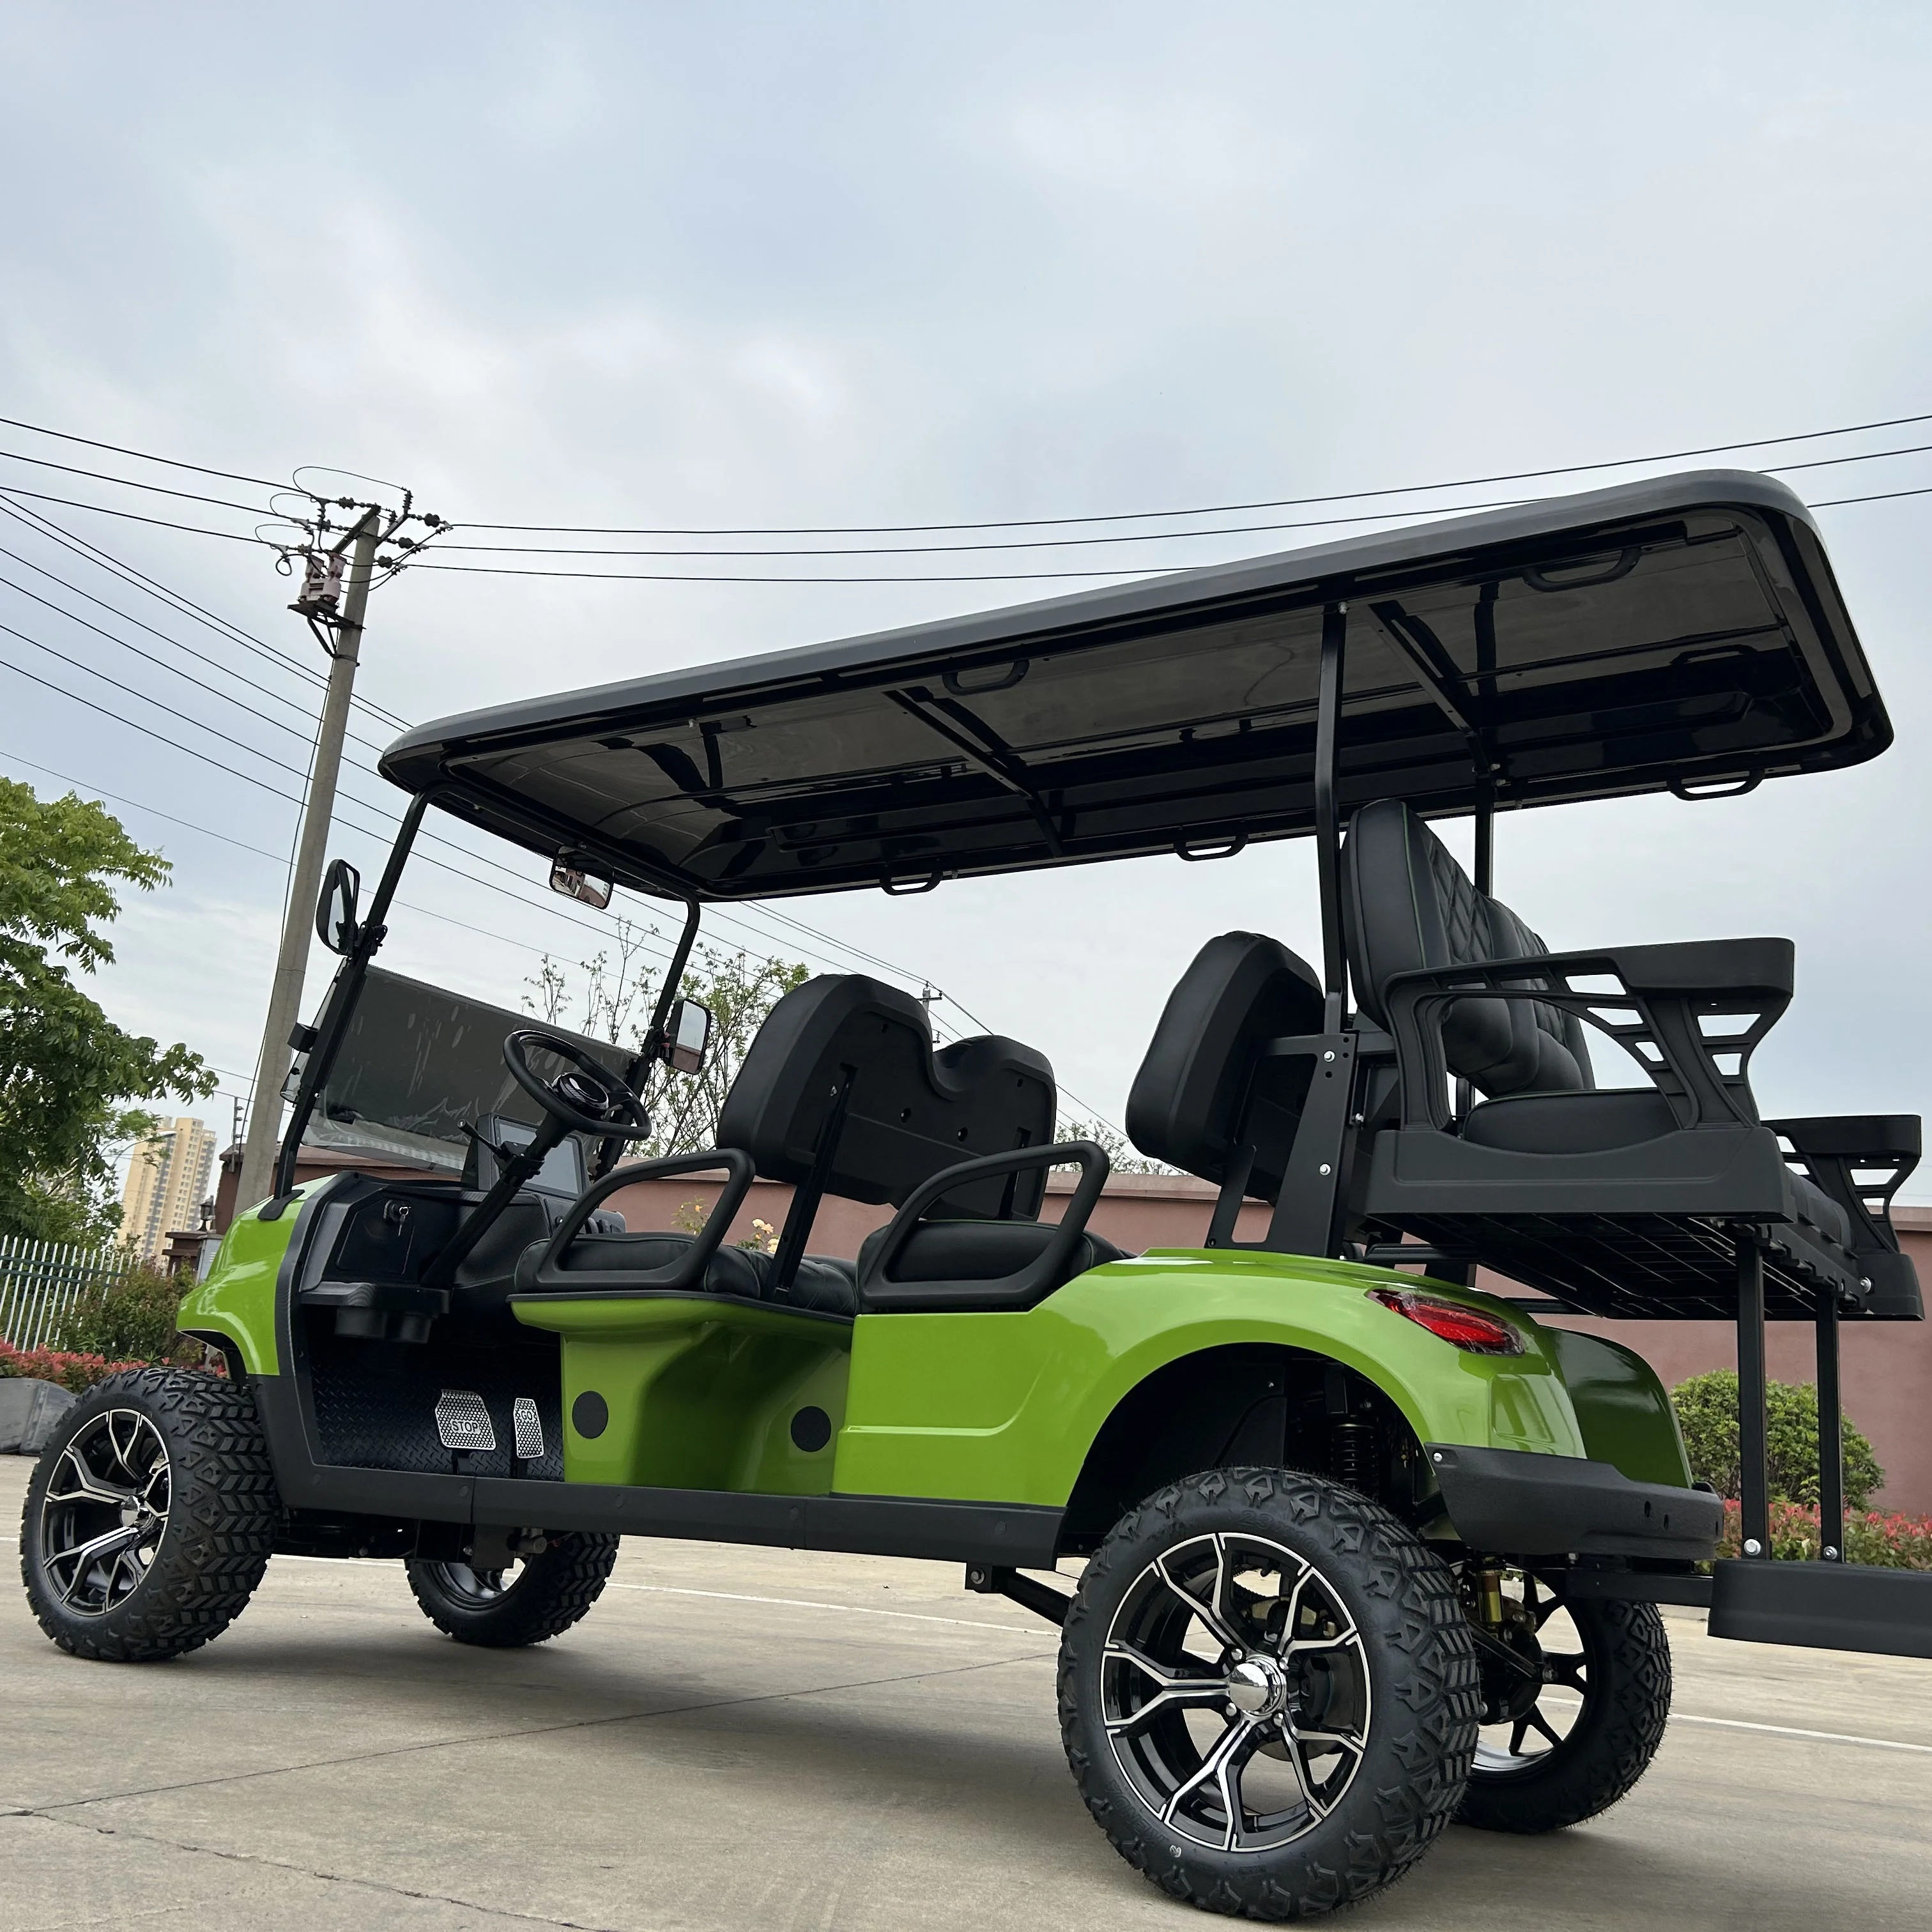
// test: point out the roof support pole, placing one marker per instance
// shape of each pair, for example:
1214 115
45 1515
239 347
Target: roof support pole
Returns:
339 1008
1486 665
1327 825
1830 1434
1753 1476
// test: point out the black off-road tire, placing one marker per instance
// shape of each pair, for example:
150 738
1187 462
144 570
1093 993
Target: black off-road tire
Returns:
1414 1645
219 1514
547 1593
1610 1745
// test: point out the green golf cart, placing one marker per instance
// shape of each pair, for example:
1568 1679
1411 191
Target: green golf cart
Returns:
1345 1550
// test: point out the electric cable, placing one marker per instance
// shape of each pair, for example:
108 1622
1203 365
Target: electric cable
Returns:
187 718
171 462
1199 509
128 617
13 489
183 606
132 483
1061 543
304 733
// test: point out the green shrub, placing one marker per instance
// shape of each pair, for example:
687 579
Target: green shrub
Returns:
1707 1411
135 1321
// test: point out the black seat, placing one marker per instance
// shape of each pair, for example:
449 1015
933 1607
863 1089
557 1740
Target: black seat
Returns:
939 1251
1619 1198
822 1282
842 1092
1208 1099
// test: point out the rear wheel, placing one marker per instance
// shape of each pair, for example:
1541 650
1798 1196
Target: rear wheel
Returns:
1267 1693
149 1517
536 1596
1576 1697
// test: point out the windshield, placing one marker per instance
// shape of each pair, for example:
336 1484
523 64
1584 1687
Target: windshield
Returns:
418 1062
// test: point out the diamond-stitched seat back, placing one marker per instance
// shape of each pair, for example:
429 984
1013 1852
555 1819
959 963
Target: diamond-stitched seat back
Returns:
1407 904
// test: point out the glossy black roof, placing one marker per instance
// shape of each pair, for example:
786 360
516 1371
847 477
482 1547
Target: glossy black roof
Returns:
1682 632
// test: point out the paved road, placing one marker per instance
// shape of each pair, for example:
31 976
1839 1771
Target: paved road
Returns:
794 1743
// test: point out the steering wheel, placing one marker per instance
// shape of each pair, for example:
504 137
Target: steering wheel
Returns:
587 1099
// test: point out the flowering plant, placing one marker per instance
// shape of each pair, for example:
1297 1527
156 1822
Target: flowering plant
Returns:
79 1372
1890 1542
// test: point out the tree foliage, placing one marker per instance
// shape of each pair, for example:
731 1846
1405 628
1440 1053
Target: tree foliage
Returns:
614 996
70 1080
1707 1411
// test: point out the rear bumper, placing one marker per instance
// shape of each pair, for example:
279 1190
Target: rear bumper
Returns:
1515 1502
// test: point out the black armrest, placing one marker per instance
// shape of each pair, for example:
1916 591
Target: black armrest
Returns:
1833 1149
549 1276
1657 997
1024 1287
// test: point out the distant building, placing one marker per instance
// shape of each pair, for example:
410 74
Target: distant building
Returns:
167 1182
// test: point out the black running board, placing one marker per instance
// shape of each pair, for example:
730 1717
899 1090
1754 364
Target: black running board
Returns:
1018 1535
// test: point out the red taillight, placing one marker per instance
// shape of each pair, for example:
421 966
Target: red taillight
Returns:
1468 1328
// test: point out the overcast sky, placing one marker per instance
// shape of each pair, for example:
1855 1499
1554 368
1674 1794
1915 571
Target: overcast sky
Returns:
849 264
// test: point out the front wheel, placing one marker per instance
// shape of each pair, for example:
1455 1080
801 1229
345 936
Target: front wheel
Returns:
539 1595
1575 1695
149 1517
1268 1693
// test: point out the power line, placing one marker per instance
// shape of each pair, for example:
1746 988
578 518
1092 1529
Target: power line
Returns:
171 462
1199 509
1064 543
187 718
130 483
162 522
128 617
148 657
181 605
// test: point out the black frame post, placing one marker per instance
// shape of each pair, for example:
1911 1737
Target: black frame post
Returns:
1830 1435
1327 824
344 993
1753 1479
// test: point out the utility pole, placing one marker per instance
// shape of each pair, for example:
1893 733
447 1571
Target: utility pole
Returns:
272 1069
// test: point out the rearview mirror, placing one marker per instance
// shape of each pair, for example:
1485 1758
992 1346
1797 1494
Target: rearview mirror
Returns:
335 906
687 1036
576 884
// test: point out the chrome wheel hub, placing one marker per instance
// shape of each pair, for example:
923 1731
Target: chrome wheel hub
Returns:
1256 1686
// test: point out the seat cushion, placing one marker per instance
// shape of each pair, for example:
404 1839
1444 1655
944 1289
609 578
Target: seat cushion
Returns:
1595 1121
982 1250
824 1283
1575 1123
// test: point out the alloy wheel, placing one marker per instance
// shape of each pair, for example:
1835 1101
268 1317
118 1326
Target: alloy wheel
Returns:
1235 1692
104 1512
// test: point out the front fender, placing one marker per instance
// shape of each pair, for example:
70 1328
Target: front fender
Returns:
1004 1407
236 1302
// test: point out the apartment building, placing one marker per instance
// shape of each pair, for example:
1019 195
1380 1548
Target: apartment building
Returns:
167 1182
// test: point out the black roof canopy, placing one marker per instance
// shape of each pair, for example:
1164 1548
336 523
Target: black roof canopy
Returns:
1680 633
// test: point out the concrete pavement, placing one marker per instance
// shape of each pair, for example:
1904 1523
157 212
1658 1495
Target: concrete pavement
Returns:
801 1743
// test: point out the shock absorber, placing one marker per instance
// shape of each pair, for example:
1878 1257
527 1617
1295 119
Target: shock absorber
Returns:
1352 1454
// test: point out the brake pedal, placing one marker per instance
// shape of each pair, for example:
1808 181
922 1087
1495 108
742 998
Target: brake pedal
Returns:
463 1421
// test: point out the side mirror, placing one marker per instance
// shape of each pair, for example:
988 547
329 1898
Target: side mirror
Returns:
687 1036
335 906
575 884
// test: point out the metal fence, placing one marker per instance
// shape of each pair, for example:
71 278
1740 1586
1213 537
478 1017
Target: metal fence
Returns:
41 1281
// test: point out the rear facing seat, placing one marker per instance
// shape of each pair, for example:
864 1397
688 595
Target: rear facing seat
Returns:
1408 905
